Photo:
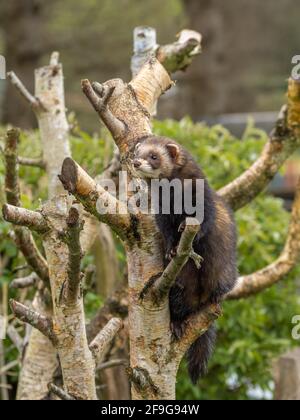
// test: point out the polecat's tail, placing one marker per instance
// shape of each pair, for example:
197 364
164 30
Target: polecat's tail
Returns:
199 354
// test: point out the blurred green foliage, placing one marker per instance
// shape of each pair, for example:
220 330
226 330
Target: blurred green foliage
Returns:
252 332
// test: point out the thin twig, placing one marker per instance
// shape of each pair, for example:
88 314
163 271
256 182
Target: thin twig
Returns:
32 100
101 343
36 320
72 238
32 162
25 282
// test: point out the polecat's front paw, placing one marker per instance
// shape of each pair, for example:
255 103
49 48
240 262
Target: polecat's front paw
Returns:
171 253
177 329
182 226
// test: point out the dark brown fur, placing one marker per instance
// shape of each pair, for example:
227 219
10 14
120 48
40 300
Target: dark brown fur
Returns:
216 243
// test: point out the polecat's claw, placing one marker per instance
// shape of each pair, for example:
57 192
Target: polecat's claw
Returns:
171 253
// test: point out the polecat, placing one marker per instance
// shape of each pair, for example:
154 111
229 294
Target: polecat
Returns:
160 157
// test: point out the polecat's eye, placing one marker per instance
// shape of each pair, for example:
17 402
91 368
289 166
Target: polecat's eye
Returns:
153 157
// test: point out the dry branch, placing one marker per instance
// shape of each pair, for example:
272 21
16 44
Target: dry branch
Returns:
99 97
32 100
197 325
138 96
111 364
25 242
33 318
289 258
77 182
25 282
23 237
102 341
27 218
161 287
60 393
15 337
180 54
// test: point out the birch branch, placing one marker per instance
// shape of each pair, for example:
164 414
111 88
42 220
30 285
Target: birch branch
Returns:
23 237
34 102
289 258
196 326
77 182
179 55
32 162
102 341
111 364
15 337
33 318
12 188
159 290
27 218
99 96
25 282
174 57
283 142
113 99
72 238
60 393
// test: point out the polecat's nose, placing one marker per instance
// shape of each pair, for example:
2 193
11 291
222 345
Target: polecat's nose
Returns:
136 163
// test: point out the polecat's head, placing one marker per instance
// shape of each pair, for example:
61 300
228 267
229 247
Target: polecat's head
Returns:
155 157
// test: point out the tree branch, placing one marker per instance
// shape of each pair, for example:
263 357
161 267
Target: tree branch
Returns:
99 96
77 182
280 146
289 258
26 244
40 322
60 393
15 337
150 83
12 188
159 290
196 326
32 162
111 364
23 217
180 54
22 236
32 100
24 282
72 238
102 341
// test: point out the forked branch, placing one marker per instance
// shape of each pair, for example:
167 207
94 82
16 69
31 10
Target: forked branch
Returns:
160 288
93 197
23 237
36 320
102 341
290 257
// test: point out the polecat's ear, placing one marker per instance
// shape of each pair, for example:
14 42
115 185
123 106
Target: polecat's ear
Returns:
173 150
